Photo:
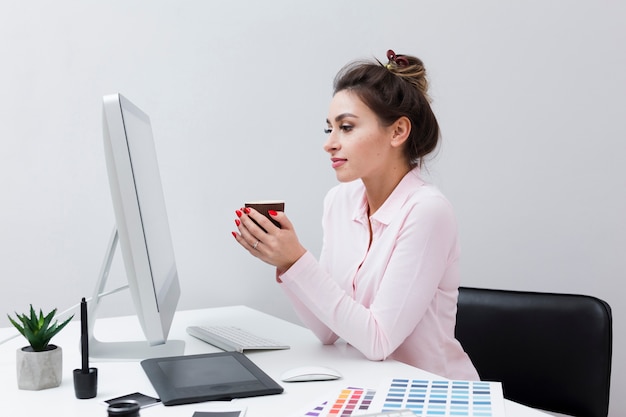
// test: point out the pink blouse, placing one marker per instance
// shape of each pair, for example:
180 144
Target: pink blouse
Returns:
397 299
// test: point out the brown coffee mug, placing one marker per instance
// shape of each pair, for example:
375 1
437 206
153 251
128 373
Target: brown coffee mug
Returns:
265 206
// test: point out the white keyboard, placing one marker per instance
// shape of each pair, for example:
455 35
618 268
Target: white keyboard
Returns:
233 339
396 413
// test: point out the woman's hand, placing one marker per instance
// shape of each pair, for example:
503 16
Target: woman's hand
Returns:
279 246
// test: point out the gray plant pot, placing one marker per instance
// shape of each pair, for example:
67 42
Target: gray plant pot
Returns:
39 370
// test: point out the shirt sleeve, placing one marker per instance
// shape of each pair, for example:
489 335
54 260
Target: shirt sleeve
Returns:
407 286
306 264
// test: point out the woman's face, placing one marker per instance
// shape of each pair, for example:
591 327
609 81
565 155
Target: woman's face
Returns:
359 146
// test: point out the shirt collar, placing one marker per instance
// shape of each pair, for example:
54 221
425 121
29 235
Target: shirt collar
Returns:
405 188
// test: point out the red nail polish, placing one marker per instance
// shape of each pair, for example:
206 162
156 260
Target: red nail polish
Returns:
238 213
272 212
246 210
234 235
237 222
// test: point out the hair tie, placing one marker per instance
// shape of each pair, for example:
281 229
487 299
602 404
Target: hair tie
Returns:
399 61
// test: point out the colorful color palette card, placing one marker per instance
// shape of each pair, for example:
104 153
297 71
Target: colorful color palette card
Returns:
345 403
349 401
431 398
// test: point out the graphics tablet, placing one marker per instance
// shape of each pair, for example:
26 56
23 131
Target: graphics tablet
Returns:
207 377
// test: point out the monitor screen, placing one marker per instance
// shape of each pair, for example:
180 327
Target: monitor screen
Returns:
142 226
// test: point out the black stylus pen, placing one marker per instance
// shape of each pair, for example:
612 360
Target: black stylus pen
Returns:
84 337
85 378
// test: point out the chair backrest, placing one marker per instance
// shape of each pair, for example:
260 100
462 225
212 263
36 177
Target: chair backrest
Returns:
550 351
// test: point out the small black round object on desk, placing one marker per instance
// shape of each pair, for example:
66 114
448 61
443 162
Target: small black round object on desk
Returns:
126 408
86 383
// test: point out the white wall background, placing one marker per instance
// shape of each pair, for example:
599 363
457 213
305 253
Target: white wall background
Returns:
531 97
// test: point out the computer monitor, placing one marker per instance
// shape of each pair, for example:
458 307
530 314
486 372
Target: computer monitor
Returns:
142 229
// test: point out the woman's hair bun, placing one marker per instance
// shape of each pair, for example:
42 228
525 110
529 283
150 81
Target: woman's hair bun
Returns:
410 68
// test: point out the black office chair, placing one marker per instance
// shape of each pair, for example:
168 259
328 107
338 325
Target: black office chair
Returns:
550 351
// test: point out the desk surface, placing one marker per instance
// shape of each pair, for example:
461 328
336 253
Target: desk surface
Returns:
119 378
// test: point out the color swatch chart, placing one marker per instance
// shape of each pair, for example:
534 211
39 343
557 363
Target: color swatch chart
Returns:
347 402
441 397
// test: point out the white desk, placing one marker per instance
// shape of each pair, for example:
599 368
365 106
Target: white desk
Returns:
118 378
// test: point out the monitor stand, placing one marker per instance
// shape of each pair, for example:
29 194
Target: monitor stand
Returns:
131 350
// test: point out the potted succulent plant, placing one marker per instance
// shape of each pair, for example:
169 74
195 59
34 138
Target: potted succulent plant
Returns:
39 365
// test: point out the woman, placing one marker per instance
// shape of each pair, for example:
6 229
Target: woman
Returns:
387 279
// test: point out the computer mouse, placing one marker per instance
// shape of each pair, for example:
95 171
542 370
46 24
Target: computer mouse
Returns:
310 373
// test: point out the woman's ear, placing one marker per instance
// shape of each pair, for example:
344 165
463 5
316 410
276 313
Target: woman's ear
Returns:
401 129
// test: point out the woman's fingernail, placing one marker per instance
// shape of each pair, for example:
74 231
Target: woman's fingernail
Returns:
234 235
272 212
246 210
238 213
237 222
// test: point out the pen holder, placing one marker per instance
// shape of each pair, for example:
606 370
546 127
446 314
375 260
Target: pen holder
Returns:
86 384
